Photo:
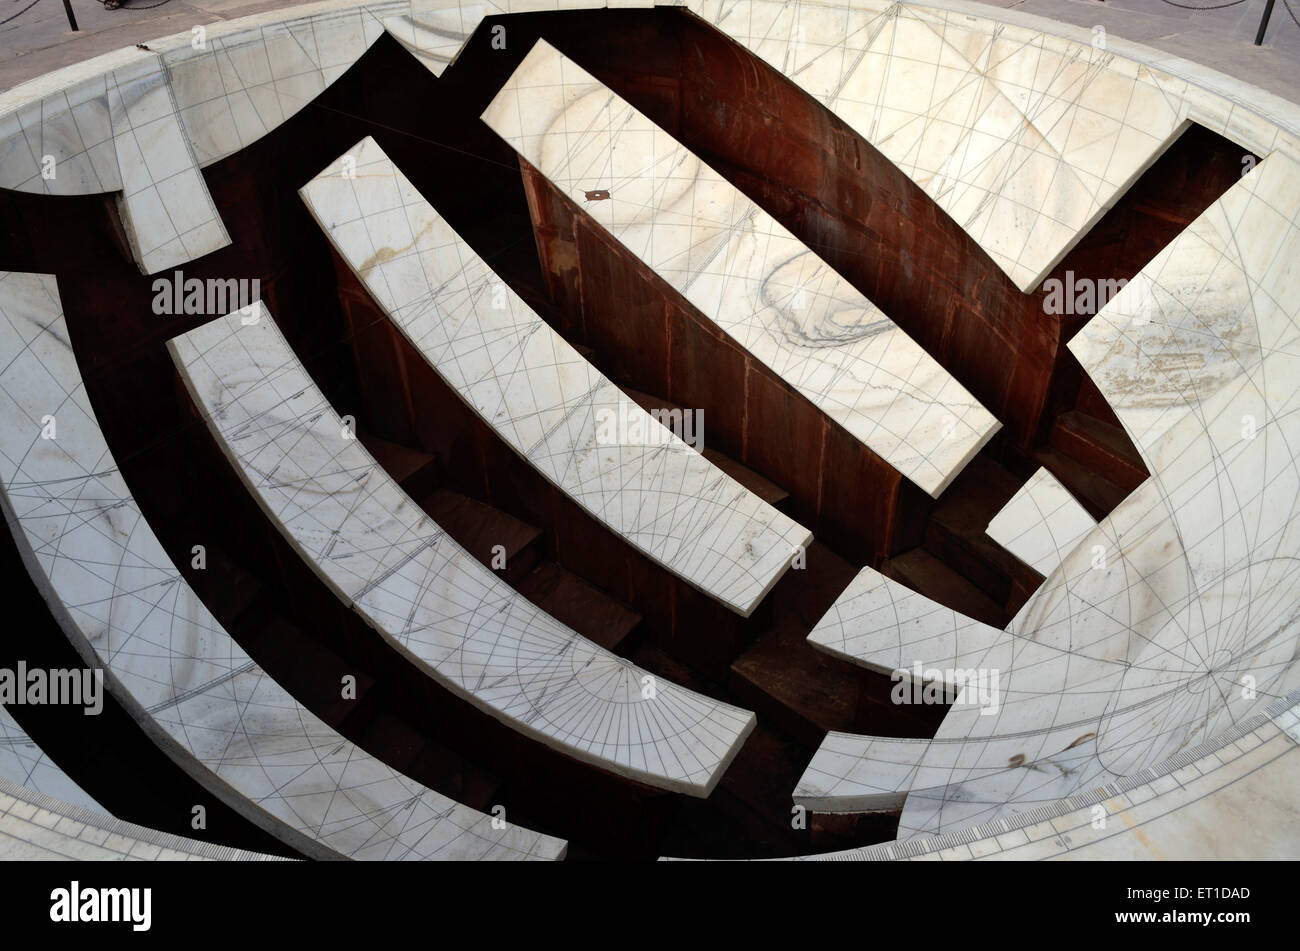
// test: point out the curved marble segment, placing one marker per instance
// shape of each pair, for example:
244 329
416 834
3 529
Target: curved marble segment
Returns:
1041 523
253 74
1172 620
885 626
734 262
220 87
36 827
1023 137
1187 629
194 97
166 659
541 396
1205 312
144 120
1232 799
24 764
853 773
82 132
425 594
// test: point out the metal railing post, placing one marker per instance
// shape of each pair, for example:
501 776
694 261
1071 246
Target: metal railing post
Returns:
1263 24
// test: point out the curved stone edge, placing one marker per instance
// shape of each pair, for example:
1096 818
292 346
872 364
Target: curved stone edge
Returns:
36 826
773 527
720 762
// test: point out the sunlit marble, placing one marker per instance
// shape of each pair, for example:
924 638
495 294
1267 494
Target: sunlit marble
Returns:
733 261
541 396
1023 130
1041 523
432 600
126 609
886 626
1205 312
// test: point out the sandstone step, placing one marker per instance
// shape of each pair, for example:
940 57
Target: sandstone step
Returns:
587 609
1099 446
479 528
923 572
1094 492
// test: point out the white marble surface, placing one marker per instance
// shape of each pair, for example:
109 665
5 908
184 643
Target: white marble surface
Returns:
118 131
734 262
167 660
1228 800
1023 137
1205 311
38 828
1020 151
1041 523
1171 620
166 209
541 396
145 121
226 87
886 626
245 82
1185 628
25 764
424 593
855 773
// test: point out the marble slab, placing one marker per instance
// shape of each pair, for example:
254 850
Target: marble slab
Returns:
1023 137
1205 311
428 597
37 828
852 773
1228 800
541 396
241 84
146 120
1016 132
228 84
127 610
741 269
885 626
25 764
1171 621
1041 523
1180 629
167 212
